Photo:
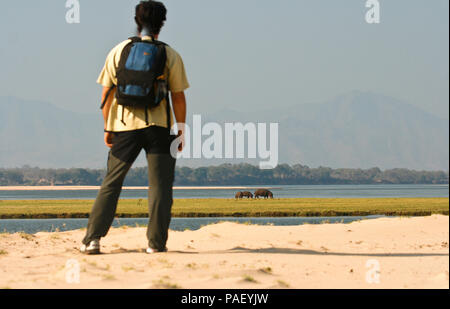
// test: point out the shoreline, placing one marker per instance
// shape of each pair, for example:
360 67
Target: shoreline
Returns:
69 188
269 187
225 215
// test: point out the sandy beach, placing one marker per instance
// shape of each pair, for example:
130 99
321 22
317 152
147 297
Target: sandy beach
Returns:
379 253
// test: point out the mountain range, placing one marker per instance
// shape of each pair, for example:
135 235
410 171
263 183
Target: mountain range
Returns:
354 130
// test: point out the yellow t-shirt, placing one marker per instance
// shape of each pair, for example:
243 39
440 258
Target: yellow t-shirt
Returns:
134 117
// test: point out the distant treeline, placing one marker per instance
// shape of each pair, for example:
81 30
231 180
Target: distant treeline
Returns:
227 174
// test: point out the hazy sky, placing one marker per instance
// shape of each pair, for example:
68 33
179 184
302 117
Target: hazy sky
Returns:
240 54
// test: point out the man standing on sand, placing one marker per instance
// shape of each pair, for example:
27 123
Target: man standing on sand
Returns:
131 127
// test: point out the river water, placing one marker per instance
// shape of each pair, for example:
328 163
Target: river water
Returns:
330 191
177 224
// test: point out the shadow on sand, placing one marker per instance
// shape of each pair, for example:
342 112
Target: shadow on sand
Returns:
273 250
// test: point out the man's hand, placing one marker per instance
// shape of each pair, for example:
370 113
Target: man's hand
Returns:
181 144
179 109
108 139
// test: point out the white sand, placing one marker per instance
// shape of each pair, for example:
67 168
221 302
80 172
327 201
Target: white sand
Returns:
410 252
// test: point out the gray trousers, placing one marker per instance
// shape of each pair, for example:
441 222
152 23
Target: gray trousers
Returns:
161 170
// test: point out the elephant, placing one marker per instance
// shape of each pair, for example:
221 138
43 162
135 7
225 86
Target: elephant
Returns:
238 195
264 193
247 194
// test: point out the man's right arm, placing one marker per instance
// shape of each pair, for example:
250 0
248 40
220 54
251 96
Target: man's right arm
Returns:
105 111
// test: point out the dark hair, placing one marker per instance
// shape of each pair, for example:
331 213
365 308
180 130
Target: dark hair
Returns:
150 15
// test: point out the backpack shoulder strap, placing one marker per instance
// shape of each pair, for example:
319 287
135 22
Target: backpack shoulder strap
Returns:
139 39
106 96
135 39
160 43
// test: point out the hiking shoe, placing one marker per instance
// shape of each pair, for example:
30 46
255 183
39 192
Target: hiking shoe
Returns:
151 250
92 247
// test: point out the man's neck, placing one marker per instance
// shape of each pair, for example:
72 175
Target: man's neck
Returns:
145 33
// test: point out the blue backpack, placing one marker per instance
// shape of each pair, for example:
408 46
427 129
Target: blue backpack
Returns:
140 76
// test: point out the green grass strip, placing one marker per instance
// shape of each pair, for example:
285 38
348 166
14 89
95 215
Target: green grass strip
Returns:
283 207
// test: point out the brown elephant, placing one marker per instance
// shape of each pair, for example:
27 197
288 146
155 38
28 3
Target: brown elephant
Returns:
238 195
264 193
247 194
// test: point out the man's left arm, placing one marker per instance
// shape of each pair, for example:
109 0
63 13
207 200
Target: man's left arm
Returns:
179 109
